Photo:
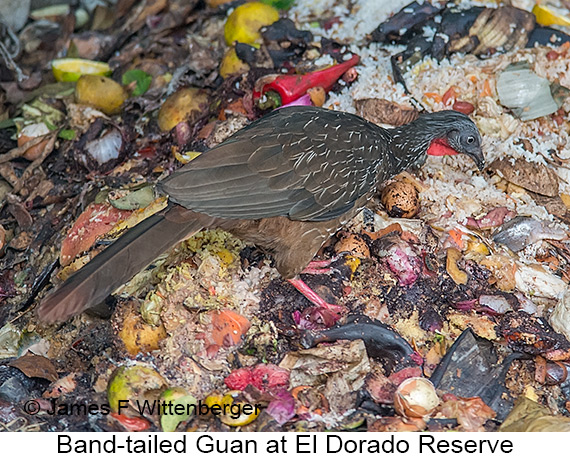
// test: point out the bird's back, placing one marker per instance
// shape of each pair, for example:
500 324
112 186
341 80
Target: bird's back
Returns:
306 163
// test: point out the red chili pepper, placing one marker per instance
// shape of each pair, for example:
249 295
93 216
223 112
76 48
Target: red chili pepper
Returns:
291 87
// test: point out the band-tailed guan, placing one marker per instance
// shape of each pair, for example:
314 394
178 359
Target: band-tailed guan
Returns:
286 182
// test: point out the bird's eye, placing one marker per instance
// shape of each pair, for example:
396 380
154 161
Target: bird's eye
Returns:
470 139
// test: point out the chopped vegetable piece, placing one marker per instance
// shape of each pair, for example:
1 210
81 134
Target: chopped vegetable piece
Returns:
70 70
458 276
141 79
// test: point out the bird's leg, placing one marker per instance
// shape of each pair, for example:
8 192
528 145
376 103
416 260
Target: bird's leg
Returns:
313 297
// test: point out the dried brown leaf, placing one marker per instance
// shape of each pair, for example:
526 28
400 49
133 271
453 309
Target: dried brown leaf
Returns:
535 177
554 205
36 366
61 387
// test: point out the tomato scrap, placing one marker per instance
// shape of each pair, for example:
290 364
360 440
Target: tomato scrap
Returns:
227 328
131 424
97 219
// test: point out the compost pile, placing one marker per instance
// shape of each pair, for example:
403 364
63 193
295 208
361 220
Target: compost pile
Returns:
454 279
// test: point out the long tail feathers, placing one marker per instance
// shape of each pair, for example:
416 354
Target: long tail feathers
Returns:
118 263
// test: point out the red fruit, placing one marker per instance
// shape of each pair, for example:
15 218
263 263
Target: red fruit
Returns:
267 376
264 377
239 379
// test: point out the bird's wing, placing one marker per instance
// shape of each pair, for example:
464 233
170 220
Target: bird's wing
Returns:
294 162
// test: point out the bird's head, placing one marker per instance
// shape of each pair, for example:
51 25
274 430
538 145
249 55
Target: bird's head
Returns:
438 134
453 133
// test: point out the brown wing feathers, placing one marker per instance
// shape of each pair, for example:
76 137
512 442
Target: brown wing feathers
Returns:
119 262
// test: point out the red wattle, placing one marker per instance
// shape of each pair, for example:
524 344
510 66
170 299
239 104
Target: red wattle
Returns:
441 147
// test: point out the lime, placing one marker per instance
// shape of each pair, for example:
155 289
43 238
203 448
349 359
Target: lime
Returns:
70 70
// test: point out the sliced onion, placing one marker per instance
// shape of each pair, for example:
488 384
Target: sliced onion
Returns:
526 304
416 398
526 93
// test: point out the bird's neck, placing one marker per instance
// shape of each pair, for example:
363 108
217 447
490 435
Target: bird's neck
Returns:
410 143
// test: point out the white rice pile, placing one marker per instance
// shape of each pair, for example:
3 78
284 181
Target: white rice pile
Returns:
454 189
358 18
468 74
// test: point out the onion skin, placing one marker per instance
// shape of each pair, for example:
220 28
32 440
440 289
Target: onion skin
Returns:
30 132
556 373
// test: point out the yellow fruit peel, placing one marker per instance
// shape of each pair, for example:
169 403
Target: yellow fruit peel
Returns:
548 16
244 23
458 276
70 70
232 65
181 106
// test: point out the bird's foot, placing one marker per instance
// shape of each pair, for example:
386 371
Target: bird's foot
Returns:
313 297
319 267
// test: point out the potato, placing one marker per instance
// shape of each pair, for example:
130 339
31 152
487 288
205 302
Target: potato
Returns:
139 336
100 92
400 198
181 106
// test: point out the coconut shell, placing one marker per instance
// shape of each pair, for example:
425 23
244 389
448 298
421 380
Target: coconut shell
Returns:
535 177
382 111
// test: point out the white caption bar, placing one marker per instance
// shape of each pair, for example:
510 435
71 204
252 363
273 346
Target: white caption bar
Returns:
272 444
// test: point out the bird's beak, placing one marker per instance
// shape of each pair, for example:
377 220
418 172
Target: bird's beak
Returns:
478 157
